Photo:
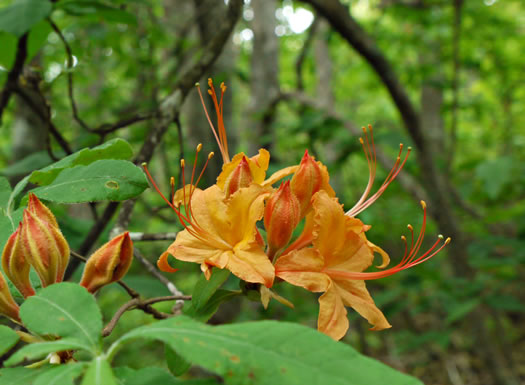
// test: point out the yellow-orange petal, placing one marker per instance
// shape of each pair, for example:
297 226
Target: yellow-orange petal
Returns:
355 295
303 268
163 265
332 319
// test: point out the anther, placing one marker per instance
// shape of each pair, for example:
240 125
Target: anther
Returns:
182 163
197 84
424 205
210 155
144 164
440 236
199 147
447 241
172 181
410 227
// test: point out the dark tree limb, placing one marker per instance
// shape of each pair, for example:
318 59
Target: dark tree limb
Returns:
14 74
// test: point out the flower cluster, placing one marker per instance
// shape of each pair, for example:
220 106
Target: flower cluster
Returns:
38 244
329 256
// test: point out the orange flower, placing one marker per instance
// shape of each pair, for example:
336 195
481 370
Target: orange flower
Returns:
335 265
222 233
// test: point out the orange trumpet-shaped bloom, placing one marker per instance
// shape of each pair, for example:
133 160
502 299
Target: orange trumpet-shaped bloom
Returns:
242 171
335 265
336 245
222 233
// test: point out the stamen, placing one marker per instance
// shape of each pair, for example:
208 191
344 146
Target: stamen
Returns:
408 261
225 156
370 155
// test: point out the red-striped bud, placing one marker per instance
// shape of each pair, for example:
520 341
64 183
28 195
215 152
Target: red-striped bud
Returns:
44 246
239 178
8 306
309 178
40 210
306 181
281 216
109 263
15 264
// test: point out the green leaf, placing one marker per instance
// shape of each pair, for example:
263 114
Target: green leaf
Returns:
70 312
114 180
204 288
268 352
5 192
176 364
97 10
8 337
18 376
28 164
495 174
60 374
112 149
461 309
8 225
8 51
210 308
155 376
20 186
99 373
21 15
41 349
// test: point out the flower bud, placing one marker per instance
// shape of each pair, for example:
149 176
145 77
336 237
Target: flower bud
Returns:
40 210
109 263
239 178
15 264
309 179
8 306
44 246
281 216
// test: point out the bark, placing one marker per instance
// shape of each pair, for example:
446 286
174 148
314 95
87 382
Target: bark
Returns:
264 74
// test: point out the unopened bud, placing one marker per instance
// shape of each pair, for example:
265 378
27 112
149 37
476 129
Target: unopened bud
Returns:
15 264
36 207
44 246
307 180
239 178
8 306
109 263
281 216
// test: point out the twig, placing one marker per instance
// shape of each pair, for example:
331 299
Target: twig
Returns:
137 303
153 271
170 107
104 128
13 75
299 62
138 237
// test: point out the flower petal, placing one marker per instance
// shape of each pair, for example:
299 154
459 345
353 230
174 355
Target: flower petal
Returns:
303 268
332 319
355 295
251 264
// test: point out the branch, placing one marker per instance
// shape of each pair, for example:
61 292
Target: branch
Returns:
13 75
104 128
145 305
407 181
138 237
170 107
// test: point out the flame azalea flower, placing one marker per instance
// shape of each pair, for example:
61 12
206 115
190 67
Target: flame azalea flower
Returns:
330 255
221 232
335 264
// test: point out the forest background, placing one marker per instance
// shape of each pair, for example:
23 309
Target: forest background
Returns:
443 76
